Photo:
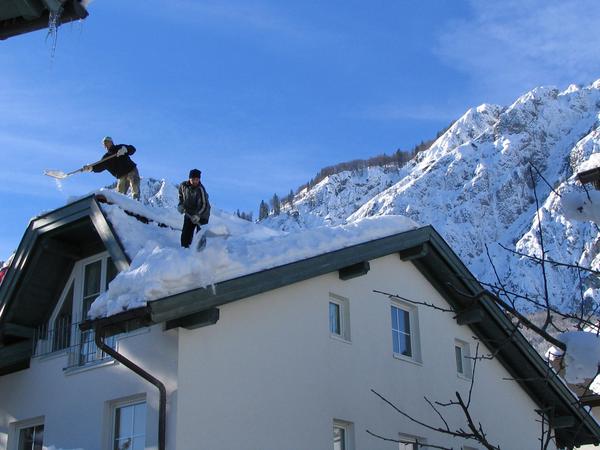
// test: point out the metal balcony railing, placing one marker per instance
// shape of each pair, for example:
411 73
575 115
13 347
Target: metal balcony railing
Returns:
65 336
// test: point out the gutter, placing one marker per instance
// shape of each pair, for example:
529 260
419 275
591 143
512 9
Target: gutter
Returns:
120 323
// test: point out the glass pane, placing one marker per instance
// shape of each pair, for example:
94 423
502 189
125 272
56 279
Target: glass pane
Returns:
38 438
339 438
26 439
111 271
405 345
124 422
403 446
123 444
334 318
139 421
459 359
405 321
139 443
394 318
86 304
91 283
396 341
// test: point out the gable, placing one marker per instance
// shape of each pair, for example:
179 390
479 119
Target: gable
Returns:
46 255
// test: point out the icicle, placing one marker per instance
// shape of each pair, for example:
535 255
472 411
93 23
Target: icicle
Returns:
53 24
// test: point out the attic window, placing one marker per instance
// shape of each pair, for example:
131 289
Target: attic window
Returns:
89 278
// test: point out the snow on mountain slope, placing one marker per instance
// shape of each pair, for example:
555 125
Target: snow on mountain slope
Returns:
338 196
474 185
333 199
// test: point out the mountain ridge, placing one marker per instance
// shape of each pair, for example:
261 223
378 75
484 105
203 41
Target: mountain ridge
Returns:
477 185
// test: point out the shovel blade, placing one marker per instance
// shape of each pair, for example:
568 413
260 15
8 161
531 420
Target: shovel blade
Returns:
59 174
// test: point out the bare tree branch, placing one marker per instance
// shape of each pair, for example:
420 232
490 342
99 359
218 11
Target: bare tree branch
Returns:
550 261
414 302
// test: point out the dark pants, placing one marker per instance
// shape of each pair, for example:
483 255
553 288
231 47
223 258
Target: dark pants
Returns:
187 233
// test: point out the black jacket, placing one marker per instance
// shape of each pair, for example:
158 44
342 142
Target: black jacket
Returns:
119 165
193 199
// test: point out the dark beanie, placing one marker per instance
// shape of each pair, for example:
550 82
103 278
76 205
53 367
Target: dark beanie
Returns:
194 173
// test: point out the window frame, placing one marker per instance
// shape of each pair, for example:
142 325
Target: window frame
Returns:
414 334
348 428
113 406
467 366
15 428
344 317
420 442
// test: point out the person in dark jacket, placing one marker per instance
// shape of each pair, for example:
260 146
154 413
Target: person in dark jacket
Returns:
193 203
120 166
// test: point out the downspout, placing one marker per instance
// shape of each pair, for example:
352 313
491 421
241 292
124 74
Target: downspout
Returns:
162 405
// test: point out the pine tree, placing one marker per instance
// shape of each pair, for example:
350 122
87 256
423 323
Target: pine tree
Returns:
263 210
276 205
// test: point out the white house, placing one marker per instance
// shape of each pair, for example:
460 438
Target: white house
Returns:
286 357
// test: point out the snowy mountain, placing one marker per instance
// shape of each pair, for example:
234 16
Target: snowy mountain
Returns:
477 185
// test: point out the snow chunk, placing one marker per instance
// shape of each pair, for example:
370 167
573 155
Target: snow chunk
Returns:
234 248
577 206
582 357
591 163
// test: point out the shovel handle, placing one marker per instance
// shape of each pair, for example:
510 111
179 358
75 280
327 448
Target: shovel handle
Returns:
93 164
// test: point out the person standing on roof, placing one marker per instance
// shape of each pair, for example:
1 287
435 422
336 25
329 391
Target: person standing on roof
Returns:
193 203
118 162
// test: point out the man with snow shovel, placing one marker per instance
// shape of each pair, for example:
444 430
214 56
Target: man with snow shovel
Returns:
117 161
193 203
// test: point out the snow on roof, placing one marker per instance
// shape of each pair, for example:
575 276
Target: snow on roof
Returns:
591 163
235 247
581 359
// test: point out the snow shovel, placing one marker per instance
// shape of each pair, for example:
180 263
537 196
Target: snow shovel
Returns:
60 175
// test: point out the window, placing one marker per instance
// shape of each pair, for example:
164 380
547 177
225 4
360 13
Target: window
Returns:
129 427
339 438
408 442
89 278
462 356
405 331
27 435
342 435
339 317
31 438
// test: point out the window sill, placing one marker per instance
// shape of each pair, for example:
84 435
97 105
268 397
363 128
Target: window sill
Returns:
460 376
339 338
407 359
89 366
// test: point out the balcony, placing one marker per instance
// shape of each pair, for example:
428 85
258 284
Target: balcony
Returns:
65 337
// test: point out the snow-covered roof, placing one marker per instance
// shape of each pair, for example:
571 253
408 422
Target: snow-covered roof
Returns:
235 248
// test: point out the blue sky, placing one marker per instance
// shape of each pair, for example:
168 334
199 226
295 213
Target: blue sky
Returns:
260 95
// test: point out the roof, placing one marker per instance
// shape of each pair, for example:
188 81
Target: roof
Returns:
65 230
23 16
40 267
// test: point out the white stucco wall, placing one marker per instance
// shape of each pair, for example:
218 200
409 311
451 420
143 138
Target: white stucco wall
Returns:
76 406
269 376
